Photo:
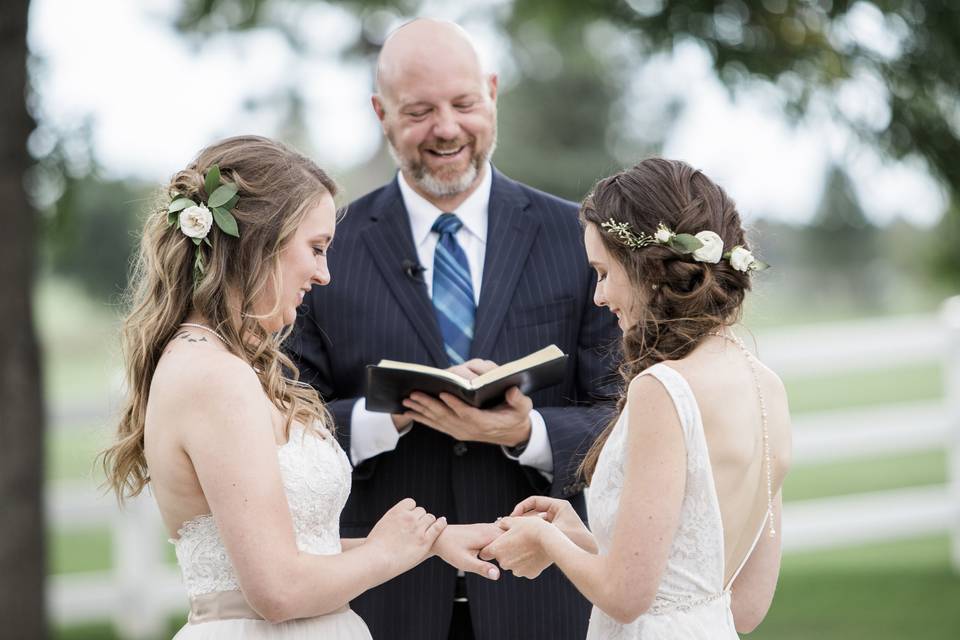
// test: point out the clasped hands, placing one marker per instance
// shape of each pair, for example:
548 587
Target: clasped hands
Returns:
507 424
516 542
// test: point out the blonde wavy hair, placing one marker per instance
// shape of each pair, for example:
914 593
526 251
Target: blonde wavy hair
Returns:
277 186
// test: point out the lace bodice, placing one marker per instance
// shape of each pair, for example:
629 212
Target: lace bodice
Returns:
692 583
316 478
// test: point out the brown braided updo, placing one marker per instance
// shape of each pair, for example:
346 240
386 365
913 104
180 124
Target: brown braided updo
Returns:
683 300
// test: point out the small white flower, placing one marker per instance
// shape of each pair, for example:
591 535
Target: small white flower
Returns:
196 221
663 234
712 248
741 259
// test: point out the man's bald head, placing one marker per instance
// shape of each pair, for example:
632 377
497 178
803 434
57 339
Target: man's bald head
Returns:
437 108
426 45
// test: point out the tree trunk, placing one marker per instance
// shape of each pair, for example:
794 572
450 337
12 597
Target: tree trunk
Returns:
22 565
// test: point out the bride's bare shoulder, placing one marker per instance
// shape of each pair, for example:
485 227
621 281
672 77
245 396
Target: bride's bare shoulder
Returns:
189 370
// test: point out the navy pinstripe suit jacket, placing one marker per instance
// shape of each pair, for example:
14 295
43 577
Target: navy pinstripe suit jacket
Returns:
536 290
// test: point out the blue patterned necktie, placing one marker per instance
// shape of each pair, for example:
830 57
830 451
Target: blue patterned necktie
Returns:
452 290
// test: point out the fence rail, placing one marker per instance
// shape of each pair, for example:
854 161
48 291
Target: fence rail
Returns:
142 591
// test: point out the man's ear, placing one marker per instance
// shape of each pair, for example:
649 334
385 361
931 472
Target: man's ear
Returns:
492 83
378 108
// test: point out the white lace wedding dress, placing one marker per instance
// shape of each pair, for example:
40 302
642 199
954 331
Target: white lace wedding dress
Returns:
692 602
316 478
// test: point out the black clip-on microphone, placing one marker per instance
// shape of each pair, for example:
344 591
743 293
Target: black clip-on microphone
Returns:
414 270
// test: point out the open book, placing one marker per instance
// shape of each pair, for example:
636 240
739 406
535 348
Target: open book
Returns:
389 382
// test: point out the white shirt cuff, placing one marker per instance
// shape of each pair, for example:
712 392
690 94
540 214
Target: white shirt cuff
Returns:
371 433
538 453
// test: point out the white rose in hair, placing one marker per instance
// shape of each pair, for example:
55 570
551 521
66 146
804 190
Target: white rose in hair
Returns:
741 259
712 249
663 234
196 221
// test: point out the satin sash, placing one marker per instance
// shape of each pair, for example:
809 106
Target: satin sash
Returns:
226 605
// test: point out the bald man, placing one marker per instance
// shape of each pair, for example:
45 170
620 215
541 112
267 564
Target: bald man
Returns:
452 264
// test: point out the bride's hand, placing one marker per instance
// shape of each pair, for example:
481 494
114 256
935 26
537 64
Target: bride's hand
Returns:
562 514
405 534
459 545
520 549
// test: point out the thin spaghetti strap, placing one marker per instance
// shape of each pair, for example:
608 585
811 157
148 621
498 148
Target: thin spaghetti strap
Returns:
746 557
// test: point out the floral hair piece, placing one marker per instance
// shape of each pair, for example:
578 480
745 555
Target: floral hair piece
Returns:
196 219
705 246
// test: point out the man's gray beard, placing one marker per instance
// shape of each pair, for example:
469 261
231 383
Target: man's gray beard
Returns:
442 188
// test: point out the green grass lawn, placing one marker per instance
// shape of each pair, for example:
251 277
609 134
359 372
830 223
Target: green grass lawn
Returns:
871 474
876 592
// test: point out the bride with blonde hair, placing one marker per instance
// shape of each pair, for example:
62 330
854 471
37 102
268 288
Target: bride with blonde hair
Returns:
240 456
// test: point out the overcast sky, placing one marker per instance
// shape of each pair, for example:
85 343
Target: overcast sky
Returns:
154 98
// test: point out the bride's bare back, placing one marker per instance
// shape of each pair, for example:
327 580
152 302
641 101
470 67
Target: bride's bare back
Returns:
173 476
723 382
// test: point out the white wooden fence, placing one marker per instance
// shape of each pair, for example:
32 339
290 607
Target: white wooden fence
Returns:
142 591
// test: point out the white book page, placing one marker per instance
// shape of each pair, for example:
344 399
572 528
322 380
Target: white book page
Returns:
544 355
422 368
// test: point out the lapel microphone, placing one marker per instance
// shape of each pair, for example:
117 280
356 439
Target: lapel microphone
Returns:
414 270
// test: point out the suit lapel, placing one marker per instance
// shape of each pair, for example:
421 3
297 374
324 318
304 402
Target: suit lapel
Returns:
510 234
390 242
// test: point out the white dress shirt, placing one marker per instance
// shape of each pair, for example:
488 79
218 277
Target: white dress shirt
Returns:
373 433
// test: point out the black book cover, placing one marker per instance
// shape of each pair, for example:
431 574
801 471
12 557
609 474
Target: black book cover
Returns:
387 386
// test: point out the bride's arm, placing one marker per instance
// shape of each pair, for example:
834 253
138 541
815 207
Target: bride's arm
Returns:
752 591
624 582
349 543
226 434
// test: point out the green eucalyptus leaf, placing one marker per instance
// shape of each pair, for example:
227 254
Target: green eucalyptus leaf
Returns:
180 204
222 195
212 180
232 202
226 221
207 240
197 241
685 242
758 265
173 218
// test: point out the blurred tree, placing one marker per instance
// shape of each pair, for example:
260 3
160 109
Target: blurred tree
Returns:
813 50
841 248
546 139
21 408
93 245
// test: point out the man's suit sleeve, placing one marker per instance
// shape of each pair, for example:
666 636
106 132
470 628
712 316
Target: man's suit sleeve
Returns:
573 429
307 348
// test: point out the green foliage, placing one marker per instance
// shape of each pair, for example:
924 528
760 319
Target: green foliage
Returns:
212 180
226 221
865 475
808 48
944 262
222 195
92 233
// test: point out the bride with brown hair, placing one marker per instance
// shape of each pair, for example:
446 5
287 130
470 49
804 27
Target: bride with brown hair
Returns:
684 500
240 457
